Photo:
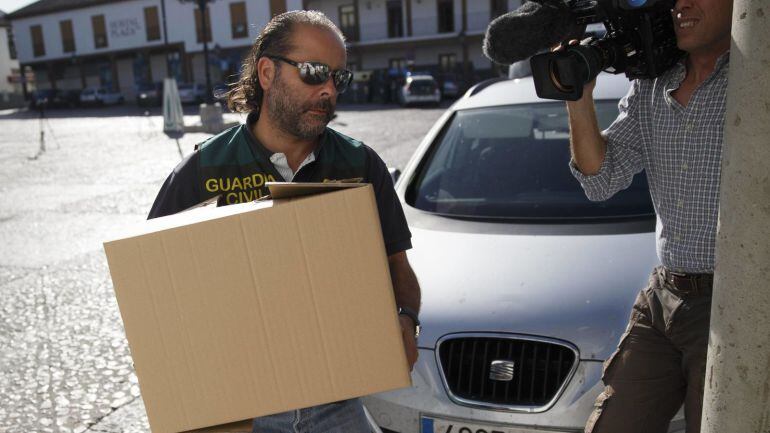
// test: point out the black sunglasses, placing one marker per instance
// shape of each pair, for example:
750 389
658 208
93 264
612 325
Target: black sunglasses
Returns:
314 73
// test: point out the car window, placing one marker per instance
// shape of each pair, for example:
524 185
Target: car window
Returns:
512 162
426 85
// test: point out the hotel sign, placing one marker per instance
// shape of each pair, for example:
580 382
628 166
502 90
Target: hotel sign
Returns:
124 28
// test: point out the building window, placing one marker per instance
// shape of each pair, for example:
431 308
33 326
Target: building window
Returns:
277 7
11 44
447 62
38 47
100 31
152 23
238 21
399 63
395 19
348 22
446 16
67 36
497 8
199 25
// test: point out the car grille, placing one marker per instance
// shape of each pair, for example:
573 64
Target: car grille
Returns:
540 369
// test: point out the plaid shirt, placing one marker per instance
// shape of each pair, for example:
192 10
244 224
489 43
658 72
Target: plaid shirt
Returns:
681 150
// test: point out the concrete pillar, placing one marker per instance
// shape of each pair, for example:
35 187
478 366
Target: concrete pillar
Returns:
52 76
409 17
82 70
467 78
737 393
114 70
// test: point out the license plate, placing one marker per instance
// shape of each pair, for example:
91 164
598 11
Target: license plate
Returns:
437 425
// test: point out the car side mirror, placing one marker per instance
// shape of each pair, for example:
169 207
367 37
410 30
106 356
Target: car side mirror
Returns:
394 174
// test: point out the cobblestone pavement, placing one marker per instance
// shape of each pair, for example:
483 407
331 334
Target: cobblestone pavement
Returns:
65 365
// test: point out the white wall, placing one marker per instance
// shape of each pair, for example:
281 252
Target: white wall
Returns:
424 18
6 64
476 56
478 15
158 67
427 55
125 78
293 5
377 59
124 22
181 23
126 27
329 7
373 16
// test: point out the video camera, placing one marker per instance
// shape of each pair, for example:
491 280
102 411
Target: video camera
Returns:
640 42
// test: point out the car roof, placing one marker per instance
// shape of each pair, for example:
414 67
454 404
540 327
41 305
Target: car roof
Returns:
420 77
497 92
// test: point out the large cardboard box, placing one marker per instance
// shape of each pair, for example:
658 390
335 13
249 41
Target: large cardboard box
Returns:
252 309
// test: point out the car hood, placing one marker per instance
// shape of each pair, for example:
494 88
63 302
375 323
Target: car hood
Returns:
569 286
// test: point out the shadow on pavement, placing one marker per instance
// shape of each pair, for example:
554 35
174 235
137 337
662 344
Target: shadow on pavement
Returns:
111 111
134 110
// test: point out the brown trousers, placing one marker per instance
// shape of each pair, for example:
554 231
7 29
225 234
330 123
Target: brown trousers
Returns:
660 363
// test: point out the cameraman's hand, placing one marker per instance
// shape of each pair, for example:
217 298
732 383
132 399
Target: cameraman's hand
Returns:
588 89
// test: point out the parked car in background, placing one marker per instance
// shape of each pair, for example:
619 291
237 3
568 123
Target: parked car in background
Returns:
54 98
419 89
192 93
71 97
450 87
526 285
100 96
149 94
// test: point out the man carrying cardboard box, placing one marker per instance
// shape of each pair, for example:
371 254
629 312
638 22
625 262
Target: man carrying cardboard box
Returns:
289 86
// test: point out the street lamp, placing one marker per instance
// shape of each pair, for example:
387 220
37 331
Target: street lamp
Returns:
211 112
202 5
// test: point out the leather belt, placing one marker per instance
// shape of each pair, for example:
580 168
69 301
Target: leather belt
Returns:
691 284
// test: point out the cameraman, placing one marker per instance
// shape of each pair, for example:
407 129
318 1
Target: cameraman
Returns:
672 127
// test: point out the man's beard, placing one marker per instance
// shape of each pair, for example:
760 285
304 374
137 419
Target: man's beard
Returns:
292 116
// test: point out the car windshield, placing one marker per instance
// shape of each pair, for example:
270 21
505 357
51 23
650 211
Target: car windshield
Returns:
423 84
511 162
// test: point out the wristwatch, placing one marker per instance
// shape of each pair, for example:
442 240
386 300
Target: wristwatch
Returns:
408 312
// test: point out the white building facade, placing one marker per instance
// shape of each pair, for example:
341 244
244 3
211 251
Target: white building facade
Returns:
10 72
121 44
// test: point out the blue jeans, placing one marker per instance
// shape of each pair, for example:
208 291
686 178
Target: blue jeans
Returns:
345 416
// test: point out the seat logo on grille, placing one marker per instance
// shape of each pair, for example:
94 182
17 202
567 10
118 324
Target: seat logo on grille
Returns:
501 370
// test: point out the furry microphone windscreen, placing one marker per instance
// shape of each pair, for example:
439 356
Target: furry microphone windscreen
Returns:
528 30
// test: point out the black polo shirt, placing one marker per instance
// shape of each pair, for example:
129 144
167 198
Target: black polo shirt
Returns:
235 166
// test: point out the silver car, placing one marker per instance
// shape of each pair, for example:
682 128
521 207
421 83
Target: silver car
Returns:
419 89
527 285
100 96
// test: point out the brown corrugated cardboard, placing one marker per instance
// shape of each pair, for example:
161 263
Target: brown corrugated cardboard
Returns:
252 309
